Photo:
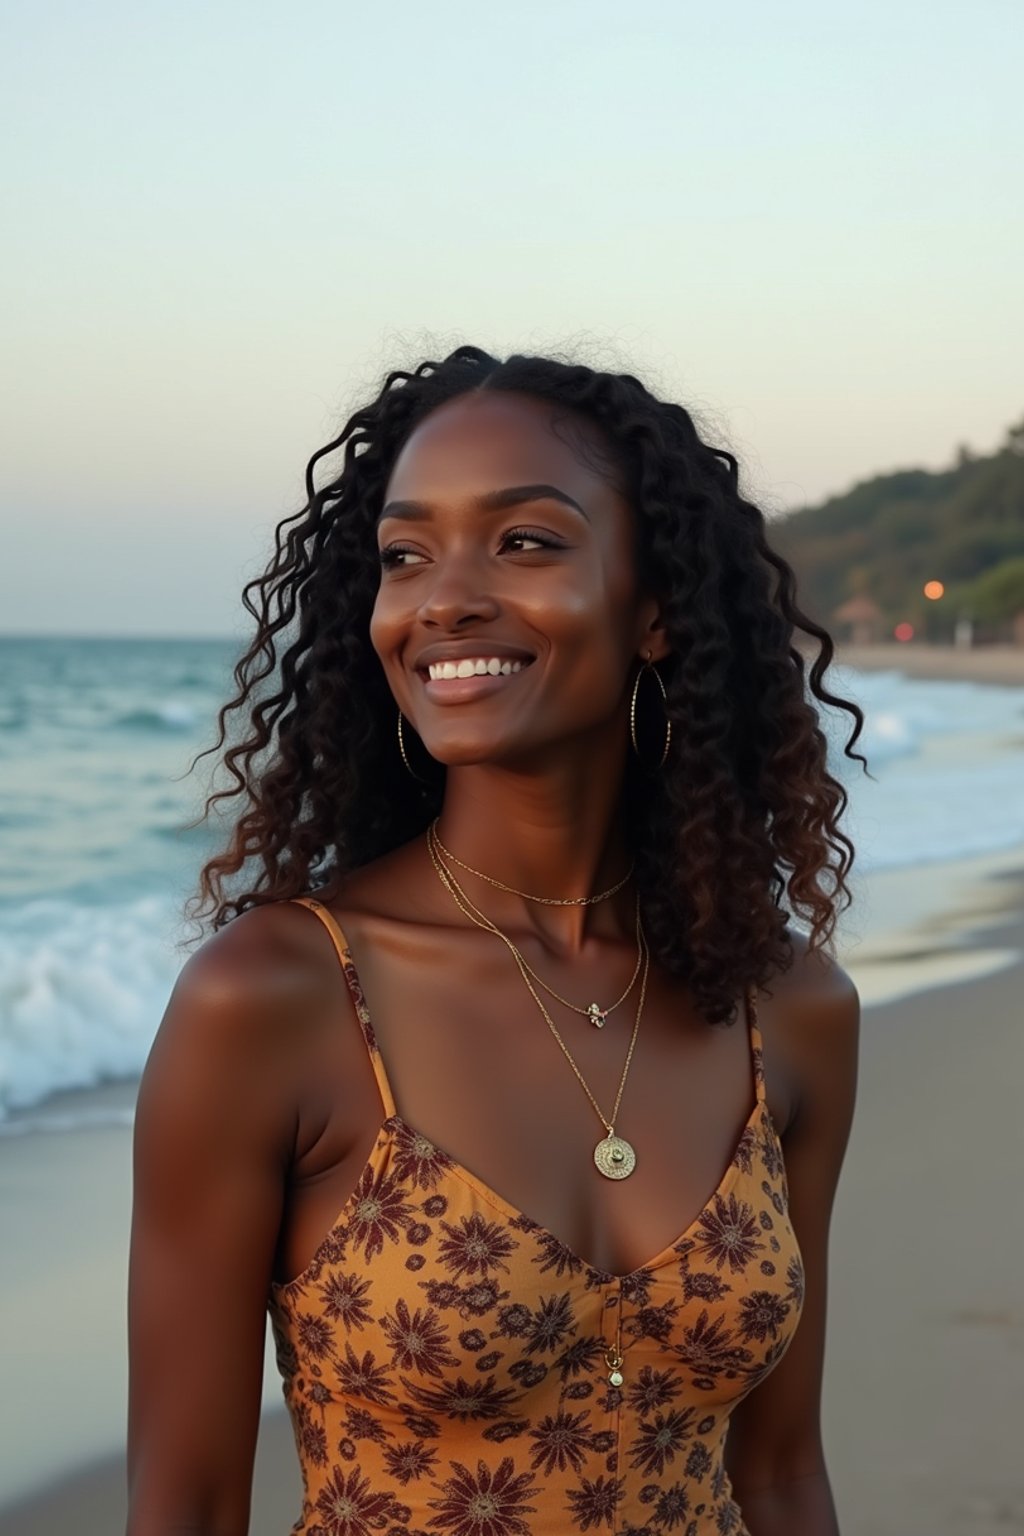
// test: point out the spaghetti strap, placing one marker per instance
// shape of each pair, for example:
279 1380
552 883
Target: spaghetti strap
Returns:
756 1046
354 985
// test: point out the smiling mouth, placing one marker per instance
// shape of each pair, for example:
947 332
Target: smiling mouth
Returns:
472 666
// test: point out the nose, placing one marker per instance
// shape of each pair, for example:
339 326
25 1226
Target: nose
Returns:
457 593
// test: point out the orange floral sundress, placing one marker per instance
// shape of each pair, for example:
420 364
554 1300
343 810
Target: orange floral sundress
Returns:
444 1358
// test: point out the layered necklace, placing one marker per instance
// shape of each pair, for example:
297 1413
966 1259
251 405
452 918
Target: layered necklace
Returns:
613 1155
593 1011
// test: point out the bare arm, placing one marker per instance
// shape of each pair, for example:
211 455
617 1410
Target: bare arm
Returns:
214 1130
774 1452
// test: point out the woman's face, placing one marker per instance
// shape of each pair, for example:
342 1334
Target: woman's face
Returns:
500 547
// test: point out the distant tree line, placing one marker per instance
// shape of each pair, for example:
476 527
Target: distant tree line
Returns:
886 538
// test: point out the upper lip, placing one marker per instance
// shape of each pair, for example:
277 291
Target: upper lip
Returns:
461 650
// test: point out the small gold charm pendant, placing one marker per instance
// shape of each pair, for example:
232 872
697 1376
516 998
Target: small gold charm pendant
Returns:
614 1157
614 1362
596 1015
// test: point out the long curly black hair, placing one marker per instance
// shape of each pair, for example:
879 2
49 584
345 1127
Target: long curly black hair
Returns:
742 820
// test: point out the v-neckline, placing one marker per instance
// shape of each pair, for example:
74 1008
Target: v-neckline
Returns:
513 1213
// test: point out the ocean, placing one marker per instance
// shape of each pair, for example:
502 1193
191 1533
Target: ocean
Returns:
96 738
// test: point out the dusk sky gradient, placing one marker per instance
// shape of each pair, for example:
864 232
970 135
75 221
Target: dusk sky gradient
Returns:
226 221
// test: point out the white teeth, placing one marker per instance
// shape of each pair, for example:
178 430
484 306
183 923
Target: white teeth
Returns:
479 666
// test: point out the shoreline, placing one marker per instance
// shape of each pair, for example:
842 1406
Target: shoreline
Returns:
924 1311
1002 665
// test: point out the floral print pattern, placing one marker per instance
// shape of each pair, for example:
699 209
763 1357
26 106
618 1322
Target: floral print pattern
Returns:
443 1356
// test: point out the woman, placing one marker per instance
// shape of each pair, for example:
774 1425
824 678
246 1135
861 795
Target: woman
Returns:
539 746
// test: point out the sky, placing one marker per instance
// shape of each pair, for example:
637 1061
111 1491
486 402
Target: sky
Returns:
226 221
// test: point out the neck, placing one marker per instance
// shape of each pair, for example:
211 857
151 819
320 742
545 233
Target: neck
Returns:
545 839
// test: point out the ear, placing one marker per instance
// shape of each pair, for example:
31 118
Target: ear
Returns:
652 636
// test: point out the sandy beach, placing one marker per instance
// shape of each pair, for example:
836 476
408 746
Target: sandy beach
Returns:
925 1365
984 664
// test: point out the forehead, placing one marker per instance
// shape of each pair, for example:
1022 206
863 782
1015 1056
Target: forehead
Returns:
487 440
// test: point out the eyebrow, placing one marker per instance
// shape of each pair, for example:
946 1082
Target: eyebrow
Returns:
490 501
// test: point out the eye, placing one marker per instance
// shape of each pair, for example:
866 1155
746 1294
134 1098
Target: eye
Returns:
522 536
398 556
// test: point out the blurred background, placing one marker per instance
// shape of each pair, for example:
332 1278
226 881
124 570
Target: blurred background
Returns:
225 224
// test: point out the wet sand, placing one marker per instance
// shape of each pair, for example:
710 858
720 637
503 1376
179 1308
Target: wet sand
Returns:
924 1375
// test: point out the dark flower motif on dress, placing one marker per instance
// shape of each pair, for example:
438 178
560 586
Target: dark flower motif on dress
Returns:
636 1288
409 1460
508 1429
708 1347
580 1355
762 1314
672 1507
698 1459
344 1299
364 1378
312 1436
727 1518
769 1149
652 1389
767 1267
653 1322
514 1321
550 1324
528 1373
362 1425
418 1340
473 1340
660 1440
562 1440
464 1400
592 1504
487 1362
442 1293
316 1339
420 1424
418 1234
743 1157
475 1246
485 1503
347 1506
703 1284
418 1162
729 1234
795 1280
555 1255
479 1299
435 1206
380 1211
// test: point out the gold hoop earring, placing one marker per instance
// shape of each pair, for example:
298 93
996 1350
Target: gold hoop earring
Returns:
405 759
649 666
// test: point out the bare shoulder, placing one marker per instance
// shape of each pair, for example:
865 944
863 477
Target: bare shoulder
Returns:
244 1003
811 1023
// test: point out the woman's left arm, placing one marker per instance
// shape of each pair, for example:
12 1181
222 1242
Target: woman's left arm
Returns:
774 1453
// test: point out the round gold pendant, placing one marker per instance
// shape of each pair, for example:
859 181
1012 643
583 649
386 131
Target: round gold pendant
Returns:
614 1157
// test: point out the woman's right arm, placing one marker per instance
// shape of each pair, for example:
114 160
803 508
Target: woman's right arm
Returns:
214 1132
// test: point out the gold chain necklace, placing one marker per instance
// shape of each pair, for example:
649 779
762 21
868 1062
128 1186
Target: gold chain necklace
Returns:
613 1156
593 1011
547 901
